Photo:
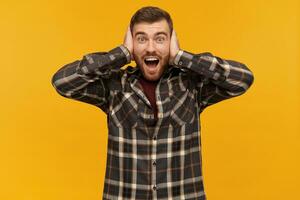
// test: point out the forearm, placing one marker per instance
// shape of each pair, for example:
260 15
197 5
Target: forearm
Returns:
77 75
232 76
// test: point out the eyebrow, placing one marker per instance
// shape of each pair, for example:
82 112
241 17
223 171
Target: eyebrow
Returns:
143 33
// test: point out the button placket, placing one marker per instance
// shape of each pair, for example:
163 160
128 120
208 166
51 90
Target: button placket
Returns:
154 187
154 141
158 97
153 168
154 163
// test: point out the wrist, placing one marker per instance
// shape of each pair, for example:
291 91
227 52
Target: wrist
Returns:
127 52
177 57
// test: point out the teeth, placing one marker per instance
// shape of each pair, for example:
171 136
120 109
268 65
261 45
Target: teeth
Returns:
151 59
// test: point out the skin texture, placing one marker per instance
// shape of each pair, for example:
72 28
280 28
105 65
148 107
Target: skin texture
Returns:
152 39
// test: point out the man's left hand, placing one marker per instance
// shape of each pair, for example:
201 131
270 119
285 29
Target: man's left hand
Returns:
174 47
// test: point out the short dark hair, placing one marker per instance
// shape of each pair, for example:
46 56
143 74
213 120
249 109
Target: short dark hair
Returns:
151 14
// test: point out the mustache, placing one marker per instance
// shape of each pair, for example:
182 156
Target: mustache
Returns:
151 54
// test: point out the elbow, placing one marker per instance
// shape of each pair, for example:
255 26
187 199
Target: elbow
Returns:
238 86
55 82
246 78
249 78
247 82
64 80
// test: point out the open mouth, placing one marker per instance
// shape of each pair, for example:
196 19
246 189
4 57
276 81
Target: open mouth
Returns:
151 62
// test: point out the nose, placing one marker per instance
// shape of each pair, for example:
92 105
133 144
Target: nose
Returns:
150 47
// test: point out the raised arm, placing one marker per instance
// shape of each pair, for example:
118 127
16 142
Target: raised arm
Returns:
218 79
86 79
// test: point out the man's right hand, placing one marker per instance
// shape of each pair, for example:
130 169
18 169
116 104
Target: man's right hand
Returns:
128 42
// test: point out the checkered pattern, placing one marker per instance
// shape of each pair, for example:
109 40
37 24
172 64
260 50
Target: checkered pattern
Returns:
148 159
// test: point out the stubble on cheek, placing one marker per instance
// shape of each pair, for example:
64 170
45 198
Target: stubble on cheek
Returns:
136 58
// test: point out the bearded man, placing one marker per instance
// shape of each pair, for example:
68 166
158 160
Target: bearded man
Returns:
153 109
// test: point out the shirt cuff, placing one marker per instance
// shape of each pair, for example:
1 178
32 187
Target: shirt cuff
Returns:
126 52
184 59
204 64
119 56
100 62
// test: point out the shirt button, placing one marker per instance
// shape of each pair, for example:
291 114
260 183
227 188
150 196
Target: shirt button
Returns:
154 163
154 187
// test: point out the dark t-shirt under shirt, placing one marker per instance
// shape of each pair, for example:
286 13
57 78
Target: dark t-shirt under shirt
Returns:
149 90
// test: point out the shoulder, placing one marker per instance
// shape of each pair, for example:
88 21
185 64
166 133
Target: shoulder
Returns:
119 78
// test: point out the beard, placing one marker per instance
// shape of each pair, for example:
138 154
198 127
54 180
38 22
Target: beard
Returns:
151 70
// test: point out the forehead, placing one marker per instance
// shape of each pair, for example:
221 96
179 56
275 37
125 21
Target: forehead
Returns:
151 28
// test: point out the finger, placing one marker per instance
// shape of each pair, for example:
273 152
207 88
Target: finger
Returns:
172 35
176 39
125 36
129 34
175 36
128 30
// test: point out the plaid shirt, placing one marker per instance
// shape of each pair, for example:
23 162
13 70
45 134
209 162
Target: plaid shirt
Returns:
149 159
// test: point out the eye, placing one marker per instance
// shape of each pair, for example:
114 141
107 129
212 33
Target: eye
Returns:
141 39
160 39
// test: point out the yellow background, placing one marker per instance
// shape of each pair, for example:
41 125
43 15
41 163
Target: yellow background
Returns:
55 148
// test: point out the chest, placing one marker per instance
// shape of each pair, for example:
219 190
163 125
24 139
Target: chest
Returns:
175 101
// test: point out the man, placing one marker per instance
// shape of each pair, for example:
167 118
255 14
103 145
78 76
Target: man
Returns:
152 109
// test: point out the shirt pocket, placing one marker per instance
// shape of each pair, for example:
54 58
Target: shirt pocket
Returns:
123 109
182 107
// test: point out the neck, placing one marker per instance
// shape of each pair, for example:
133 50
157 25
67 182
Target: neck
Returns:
149 81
